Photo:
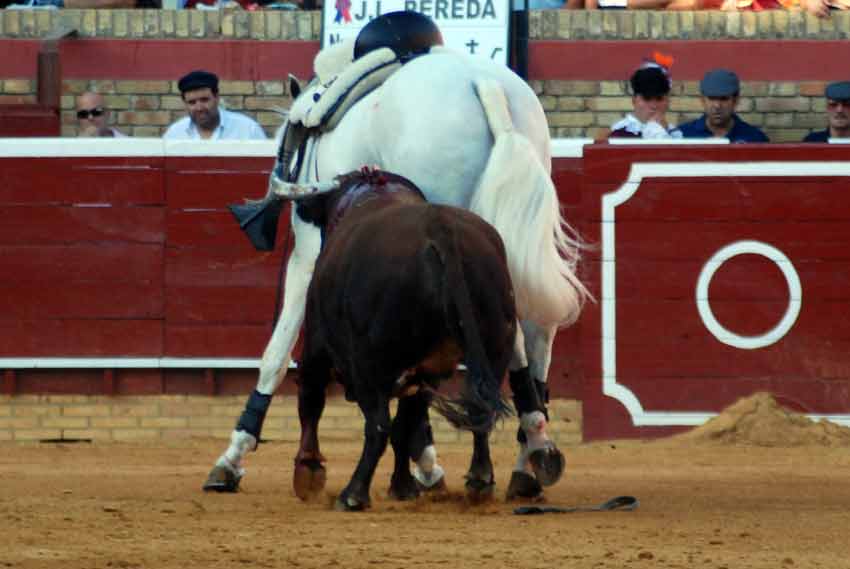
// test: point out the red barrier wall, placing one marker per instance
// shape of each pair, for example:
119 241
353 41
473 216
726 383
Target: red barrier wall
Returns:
764 229
138 257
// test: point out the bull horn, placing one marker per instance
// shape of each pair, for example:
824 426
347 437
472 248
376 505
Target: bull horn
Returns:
294 191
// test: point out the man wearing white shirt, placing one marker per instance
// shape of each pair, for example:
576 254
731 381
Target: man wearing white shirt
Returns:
206 121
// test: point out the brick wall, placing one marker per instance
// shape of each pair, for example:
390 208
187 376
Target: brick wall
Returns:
785 110
146 108
33 418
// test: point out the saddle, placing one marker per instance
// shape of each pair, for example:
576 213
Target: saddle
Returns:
349 70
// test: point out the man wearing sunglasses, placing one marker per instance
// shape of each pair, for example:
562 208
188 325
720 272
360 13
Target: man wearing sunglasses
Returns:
837 113
92 117
207 120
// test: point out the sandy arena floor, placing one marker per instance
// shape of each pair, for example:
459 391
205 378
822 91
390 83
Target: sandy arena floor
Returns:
718 498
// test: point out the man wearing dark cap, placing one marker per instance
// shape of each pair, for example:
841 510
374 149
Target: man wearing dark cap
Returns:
206 120
650 100
837 113
720 89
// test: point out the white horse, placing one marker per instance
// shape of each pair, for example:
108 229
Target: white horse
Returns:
472 134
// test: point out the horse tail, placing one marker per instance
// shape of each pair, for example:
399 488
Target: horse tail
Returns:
516 195
480 403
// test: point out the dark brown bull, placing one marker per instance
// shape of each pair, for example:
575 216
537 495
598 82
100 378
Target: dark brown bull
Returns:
402 292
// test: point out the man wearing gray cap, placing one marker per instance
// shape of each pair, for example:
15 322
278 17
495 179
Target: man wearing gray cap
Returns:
207 120
720 89
837 113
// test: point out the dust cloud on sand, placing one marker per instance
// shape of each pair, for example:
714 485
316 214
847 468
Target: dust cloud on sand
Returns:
759 420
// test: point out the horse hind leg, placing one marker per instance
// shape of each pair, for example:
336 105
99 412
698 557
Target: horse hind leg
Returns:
538 453
227 472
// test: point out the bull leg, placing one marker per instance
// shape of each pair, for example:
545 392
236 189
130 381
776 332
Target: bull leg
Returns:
480 482
376 410
228 471
528 384
410 415
309 476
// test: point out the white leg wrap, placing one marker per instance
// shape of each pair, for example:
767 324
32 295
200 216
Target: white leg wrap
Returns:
241 443
426 471
534 426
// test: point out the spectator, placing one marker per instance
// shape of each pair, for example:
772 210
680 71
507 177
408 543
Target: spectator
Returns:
85 4
199 90
644 4
650 100
720 89
93 117
837 113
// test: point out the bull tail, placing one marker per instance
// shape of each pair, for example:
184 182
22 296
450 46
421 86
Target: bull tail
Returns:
516 195
480 403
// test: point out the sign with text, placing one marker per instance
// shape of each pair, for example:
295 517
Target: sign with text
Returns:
478 27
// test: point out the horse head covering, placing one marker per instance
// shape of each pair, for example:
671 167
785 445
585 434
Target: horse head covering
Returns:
406 32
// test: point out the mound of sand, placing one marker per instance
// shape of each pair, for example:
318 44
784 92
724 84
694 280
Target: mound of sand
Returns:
759 420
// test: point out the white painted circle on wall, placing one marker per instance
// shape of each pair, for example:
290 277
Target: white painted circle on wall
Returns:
795 295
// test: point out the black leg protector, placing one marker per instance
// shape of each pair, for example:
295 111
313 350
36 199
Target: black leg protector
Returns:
529 395
421 439
251 420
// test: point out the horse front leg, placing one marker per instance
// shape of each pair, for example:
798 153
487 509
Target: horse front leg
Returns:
527 378
376 410
227 472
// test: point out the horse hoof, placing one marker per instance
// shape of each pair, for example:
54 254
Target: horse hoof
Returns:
350 504
478 491
548 465
524 486
221 479
438 487
309 479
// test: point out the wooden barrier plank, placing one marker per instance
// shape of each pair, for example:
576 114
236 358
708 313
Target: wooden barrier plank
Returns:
113 180
218 229
207 267
745 277
739 199
98 263
51 225
58 299
710 393
80 338
610 164
223 339
214 182
219 305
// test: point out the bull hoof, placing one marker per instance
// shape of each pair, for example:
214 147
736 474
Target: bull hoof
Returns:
548 465
479 491
406 489
524 486
221 479
309 479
